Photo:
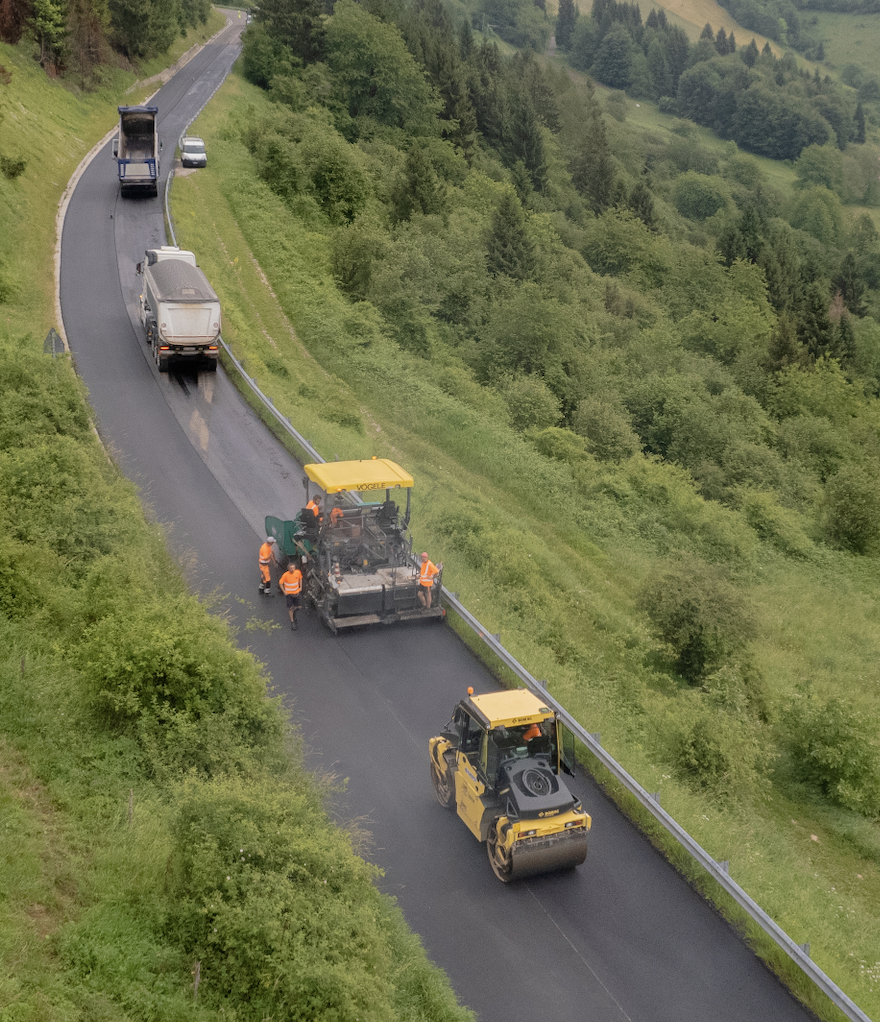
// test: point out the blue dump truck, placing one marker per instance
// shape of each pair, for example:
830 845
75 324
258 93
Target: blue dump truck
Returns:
136 150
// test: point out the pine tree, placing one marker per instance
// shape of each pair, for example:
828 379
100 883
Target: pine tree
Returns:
707 33
661 19
721 42
784 348
843 341
510 251
591 166
850 286
652 21
858 135
731 43
418 190
565 23
813 326
524 140
641 202
750 54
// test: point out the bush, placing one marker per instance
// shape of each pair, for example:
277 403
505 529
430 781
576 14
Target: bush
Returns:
272 901
834 747
12 166
531 403
607 427
852 500
716 752
699 615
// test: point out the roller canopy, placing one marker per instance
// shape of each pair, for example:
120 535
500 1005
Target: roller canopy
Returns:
374 474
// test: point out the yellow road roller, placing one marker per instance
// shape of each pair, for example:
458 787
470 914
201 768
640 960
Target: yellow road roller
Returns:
499 763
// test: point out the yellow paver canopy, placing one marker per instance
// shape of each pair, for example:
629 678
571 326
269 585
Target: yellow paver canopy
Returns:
373 474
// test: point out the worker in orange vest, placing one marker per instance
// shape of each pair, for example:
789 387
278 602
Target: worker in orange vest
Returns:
314 505
290 584
267 558
426 580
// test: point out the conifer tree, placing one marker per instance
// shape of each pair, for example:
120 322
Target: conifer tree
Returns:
784 349
843 341
418 191
591 165
858 135
813 326
566 20
731 43
524 140
850 286
707 33
721 42
750 54
510 250
641 202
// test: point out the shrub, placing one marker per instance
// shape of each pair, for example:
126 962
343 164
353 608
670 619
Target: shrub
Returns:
716 752
531 403
607 427
699 615
12 166
273 902
852 500
834 747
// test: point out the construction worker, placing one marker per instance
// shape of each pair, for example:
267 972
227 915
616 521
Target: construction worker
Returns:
290 584
267 559
335 513
426 580
314 505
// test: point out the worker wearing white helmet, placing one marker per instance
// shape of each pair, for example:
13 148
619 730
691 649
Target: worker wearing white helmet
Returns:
267 559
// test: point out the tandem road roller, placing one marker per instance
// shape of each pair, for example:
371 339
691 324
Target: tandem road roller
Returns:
499 763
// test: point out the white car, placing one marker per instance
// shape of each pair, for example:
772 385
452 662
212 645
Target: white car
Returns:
192 152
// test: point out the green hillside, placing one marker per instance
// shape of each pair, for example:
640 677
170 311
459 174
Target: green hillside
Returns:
636 371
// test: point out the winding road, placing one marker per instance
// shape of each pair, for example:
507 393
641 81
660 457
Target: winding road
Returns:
621 939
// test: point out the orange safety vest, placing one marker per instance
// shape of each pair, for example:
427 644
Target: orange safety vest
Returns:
266 553
313 507
335 515
291 582
426 575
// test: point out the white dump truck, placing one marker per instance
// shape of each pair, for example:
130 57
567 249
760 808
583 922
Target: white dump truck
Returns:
179 309
136 149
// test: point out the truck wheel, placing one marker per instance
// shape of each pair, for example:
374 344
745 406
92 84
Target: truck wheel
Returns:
500 858
444 785
162 363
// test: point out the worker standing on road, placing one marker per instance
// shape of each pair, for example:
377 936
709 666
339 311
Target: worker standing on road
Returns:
426 580
267 558
290 584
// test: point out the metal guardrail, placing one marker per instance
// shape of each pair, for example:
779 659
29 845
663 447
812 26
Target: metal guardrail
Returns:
799 954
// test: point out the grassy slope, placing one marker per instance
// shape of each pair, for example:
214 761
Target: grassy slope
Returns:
815 870
82 877
849 39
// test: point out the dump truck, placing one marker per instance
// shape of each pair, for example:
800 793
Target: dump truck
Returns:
499 764
356 556
179 310
136 150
